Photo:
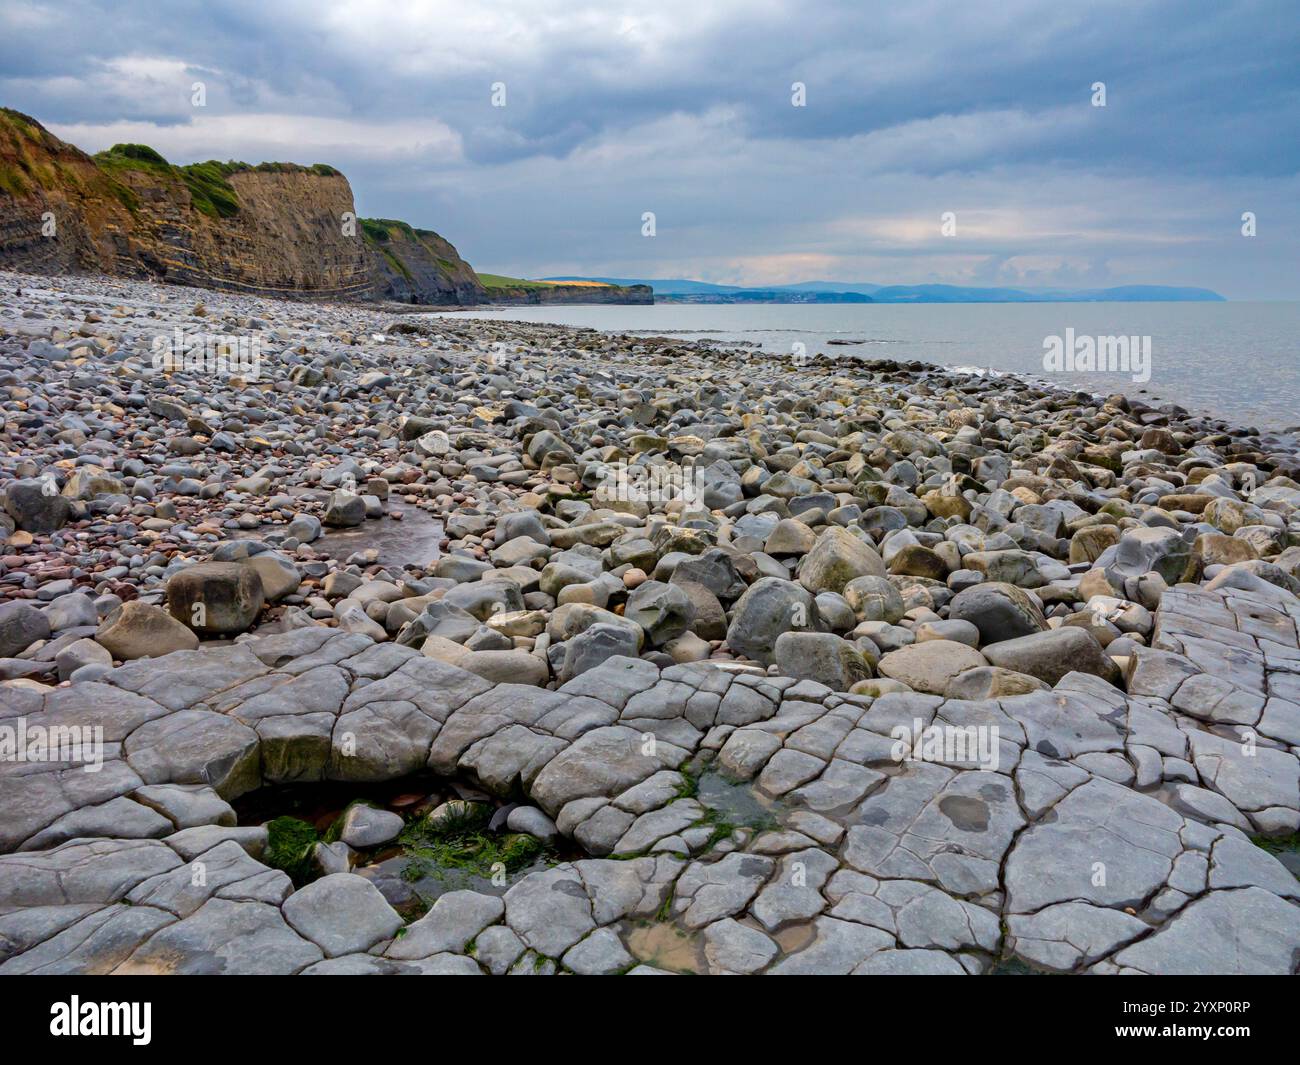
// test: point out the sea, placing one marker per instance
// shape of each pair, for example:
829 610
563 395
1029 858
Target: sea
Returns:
1239 361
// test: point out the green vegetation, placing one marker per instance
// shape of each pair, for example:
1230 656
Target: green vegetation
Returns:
1280 845
25 124
382 230
12 181
26 166
729 805
1012 966
141 153
395 263
209 190
690 786
499 281
232 167
32 159
26 139
289 845
722 828
122 157
460 842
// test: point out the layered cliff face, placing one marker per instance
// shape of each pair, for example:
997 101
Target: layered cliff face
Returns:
275 229
292 232
59 212
411 265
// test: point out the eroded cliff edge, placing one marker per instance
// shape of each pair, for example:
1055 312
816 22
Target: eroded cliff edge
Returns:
271 229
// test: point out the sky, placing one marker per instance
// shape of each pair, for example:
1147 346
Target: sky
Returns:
910 112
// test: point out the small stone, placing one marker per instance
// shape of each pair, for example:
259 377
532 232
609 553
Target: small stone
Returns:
365 826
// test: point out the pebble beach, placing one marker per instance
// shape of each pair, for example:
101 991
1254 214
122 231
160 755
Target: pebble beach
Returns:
607 654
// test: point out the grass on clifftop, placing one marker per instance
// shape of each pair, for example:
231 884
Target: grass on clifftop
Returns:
32 159
210 191
24 134
382 230
501 281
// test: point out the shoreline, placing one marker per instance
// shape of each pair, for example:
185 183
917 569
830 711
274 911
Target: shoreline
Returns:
693 336
727 338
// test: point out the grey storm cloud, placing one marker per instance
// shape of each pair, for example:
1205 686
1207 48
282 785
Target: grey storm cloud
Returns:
684 109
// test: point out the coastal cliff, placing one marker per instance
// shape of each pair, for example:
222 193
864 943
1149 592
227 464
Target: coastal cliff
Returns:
515 291
271 229
573 294
410 265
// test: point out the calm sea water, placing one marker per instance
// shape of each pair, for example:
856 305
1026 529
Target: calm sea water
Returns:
1239 361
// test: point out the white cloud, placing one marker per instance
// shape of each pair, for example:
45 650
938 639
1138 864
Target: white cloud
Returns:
683 108
289 138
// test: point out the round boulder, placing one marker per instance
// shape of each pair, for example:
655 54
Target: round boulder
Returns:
1000 611
506 667
664 611
1049 656
138 630
345 509
216 598
1156 549
36 505
837 557
991 682
279 576
874 599
594 645
21 625
768 608
821 657
930 666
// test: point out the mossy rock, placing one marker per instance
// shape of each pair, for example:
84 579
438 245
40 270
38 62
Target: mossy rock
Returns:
289 847
459 841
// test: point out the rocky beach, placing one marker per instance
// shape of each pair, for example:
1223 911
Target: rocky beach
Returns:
336 638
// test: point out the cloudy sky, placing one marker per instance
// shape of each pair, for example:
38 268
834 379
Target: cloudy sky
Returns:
685 109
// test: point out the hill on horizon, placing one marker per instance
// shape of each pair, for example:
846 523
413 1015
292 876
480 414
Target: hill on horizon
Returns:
671 288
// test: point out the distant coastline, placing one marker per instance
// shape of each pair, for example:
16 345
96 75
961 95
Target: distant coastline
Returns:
685 291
